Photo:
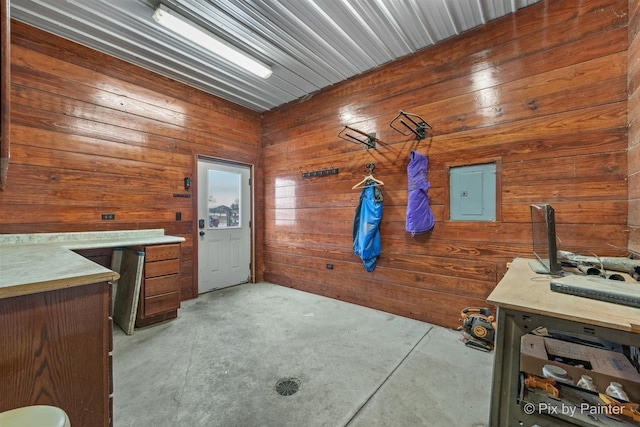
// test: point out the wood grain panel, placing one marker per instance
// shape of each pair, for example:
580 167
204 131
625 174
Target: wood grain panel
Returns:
161 268
634 130
544 91
55 353
44 138
634 162
5 91
100 256
53 178
62 77
564 127
576 212
480 81
82 216
634 127
127 78
161 285
161 252
385 272
95 135
161 303
38 100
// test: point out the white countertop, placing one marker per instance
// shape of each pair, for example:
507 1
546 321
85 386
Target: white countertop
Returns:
39 262
92 239
27 269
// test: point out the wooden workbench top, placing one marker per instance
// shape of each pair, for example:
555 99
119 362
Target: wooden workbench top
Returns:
523 290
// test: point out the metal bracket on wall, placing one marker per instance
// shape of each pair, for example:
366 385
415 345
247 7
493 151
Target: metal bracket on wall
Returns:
368 139
419 125
370 166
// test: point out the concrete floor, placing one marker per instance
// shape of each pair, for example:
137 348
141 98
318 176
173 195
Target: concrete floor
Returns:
218 364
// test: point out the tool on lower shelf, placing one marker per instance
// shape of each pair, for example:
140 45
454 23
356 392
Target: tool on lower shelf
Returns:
546 384
478 328
630 410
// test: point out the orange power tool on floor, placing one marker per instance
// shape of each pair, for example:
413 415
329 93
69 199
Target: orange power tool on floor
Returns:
478 328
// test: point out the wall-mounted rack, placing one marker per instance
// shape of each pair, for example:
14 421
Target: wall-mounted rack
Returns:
320 172
368 139
419 125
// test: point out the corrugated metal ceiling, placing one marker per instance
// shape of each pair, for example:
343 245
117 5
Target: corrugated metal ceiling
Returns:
310 44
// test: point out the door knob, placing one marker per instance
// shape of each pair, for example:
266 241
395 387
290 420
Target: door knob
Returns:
201 233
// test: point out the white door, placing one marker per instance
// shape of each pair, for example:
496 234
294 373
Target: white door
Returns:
224 224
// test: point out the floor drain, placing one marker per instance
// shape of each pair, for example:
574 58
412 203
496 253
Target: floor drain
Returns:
287 386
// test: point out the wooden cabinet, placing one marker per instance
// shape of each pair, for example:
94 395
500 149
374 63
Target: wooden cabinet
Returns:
55 350
160 289
101 256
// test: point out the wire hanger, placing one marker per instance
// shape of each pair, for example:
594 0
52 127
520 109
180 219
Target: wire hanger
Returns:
370 167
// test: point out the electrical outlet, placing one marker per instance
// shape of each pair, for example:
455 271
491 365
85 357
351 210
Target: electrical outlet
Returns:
178 216
329 266
108 216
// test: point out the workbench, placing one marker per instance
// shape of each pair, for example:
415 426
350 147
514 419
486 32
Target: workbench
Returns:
525 302
55 319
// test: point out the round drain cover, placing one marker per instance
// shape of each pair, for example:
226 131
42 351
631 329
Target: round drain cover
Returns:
287 386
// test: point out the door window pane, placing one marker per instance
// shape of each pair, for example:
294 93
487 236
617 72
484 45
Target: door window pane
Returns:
223 199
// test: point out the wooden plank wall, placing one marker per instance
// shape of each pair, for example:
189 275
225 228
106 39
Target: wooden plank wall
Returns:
634 126
92 134
542 92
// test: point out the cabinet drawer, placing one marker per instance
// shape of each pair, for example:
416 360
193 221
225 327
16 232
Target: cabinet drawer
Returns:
161 268
161 285
161 252
161 303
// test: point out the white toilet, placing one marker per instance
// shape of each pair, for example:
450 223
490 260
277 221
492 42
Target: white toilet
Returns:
35 416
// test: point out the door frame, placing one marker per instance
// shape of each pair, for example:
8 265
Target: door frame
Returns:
194 204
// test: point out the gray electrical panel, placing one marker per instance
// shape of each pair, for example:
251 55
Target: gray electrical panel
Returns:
472 192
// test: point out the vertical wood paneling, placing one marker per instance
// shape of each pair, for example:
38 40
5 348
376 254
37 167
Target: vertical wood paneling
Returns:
5 90
543 91
634 126
92 134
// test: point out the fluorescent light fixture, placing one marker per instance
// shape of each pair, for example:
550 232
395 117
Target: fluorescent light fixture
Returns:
178 24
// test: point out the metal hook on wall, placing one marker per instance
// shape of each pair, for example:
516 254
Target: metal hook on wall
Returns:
368 139
419 128
320 172
370 166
